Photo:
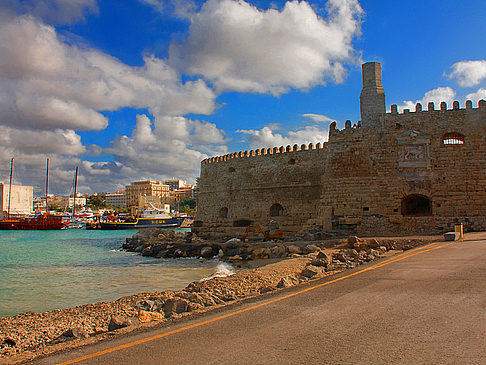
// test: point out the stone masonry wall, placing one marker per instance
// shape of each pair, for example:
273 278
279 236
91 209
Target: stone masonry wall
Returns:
245 186
371 172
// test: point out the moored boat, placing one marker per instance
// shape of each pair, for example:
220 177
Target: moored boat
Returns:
150 218
44 222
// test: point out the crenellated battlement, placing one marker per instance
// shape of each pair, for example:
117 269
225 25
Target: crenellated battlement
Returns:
265 152
443 107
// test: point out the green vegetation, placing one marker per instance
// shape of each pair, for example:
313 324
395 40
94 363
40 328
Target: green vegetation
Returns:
188 206
96 201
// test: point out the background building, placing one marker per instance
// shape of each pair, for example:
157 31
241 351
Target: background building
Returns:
116 199
175 184
21 200
146 188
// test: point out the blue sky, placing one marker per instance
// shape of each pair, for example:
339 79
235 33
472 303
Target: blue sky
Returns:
146 89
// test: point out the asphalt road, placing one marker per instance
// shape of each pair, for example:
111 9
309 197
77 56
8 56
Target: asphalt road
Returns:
427 306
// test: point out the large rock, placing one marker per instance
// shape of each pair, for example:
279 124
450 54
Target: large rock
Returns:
260 253
339 256
287 282
207 252
76 332
310 271
172 306
145 316
294 249
278 251
117 322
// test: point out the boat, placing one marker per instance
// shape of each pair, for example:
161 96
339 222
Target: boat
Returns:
150 218
41 221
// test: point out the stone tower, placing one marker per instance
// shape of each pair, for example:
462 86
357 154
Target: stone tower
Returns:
372 97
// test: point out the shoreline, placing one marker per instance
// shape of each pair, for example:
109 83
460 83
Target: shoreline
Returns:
30 335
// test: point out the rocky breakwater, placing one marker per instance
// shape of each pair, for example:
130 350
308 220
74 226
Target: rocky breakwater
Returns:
28 335
170 244
163 243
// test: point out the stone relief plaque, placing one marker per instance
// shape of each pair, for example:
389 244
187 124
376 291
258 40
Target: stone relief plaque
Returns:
413 151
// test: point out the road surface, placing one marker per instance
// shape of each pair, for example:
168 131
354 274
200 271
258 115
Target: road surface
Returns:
427 306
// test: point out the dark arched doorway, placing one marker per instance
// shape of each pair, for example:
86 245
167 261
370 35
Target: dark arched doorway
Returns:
223 212
276 210
416 205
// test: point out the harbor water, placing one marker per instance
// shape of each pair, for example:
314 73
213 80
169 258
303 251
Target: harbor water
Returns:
46 270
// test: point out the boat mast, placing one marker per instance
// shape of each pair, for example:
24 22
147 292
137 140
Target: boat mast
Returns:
75 190
10 188
47 181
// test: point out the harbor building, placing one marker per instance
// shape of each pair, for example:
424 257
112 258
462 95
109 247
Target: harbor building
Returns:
175 184
116 199
145 188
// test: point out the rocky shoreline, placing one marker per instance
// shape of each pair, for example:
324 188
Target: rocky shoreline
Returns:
29 335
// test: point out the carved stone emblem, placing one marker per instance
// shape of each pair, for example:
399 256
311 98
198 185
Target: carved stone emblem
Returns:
413 151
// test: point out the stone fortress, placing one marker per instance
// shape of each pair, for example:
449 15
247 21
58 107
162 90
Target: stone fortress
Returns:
419 172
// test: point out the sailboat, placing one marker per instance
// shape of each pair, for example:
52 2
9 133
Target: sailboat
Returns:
40 221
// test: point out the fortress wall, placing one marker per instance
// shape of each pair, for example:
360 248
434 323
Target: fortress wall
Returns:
371 172
244 187
397 174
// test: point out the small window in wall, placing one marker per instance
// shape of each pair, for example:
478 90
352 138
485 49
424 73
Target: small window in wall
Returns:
452 138
231 169
416 205
276 210
223 212
292 161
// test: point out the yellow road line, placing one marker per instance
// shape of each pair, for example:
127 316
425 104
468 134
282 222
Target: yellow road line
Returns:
400 257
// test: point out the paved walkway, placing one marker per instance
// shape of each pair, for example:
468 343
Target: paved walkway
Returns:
426 306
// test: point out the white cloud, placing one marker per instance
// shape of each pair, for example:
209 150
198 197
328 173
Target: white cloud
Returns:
468 73
54 11
478 95
239 47
47 84
318 117
436 96
29 142
267 137
30 150
49 90
173 146
159 5
183 9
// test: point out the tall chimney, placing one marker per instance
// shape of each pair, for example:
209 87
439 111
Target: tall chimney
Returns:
372 97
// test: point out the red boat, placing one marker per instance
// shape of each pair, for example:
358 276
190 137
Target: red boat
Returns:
45 221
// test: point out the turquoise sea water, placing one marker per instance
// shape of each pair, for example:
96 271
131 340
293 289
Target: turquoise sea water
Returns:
45 270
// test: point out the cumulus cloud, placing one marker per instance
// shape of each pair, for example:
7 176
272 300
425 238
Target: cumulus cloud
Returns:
269 137
476 96
50 89
170 146
66 86
238 47
468 73
436 96
60 141
53 11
